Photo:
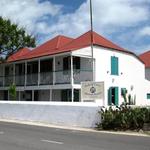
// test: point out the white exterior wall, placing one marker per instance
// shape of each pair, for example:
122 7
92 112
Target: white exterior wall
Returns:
82 52
131 73
147 91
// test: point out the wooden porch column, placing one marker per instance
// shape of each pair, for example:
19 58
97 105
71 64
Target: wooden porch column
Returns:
72 79
14 73
25 73
32 95
54 70
50 95
39 70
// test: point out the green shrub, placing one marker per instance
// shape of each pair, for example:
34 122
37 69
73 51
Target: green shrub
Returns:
124 118
12 91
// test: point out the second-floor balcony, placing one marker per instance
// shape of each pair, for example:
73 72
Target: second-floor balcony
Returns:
50 71
47 78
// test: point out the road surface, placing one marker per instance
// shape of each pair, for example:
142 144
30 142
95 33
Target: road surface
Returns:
25 137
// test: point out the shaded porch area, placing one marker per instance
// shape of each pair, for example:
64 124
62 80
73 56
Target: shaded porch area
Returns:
56 95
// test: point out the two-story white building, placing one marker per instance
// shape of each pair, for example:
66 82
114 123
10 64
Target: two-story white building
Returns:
54 71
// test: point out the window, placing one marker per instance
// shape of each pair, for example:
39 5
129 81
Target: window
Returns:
148 96
114 65
113 96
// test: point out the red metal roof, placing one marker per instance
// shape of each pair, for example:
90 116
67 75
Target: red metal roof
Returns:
50 47
18 55
145 57
61 44
85 40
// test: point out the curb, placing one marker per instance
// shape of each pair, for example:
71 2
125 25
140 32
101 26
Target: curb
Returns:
40 124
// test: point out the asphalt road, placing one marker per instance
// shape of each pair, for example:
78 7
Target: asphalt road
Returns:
24 137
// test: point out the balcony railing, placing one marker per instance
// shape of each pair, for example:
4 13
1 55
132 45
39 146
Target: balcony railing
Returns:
1 81
20 80
46 78
82 75
32 79
63 77
8 80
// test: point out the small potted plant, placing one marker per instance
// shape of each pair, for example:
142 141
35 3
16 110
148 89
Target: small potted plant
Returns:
12 91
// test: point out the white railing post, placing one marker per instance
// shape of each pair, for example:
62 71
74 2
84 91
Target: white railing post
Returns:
39 70
32 95
14 73
25 73
72 79
54 70
50 95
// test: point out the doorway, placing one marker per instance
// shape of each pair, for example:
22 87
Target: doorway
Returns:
113 96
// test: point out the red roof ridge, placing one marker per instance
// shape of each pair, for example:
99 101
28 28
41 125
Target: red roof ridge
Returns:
59 37
97 40
18 54
120 48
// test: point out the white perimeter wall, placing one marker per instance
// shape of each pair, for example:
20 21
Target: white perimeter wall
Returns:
56 113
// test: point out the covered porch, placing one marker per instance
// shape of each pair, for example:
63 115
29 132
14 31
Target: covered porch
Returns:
55 95
61 69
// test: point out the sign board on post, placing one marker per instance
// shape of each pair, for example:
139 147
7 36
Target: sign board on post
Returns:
91 91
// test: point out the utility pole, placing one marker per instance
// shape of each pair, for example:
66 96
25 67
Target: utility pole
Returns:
91 23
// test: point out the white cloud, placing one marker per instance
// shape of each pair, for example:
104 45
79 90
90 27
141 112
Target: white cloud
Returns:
109 17
145 31
27 12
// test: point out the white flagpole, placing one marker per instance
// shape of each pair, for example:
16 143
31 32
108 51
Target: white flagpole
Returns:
91 23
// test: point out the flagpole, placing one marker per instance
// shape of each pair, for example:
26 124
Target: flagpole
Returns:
91 23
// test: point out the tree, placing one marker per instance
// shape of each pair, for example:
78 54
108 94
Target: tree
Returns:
13 38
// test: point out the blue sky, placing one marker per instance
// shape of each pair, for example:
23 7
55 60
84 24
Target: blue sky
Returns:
125 22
